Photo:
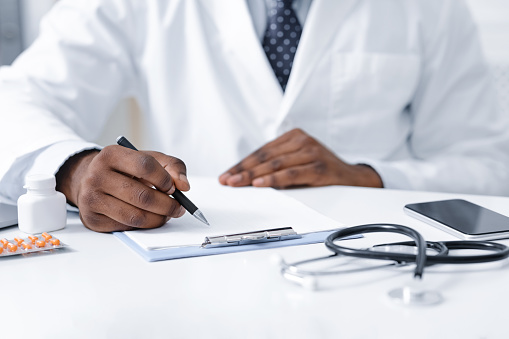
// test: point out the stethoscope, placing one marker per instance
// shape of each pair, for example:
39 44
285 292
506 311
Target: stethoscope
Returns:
411 294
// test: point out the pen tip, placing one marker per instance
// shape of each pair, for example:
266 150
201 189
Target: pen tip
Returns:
199 215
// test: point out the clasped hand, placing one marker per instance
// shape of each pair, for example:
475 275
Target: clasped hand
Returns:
297 159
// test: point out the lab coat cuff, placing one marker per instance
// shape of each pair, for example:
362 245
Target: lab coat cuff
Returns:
53 157
391 176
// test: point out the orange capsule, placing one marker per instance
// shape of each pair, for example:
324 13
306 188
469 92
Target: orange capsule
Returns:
54 241
26 246
40 243
4 242
32 238
18 240
12 247
46 236
1 249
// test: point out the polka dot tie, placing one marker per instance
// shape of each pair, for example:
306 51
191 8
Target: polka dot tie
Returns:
281 38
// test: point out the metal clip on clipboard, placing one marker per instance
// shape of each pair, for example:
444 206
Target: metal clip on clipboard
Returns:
276 234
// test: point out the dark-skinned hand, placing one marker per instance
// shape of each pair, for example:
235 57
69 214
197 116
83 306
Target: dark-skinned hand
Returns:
297 159
113 188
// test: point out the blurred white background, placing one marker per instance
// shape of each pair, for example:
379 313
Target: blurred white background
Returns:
126 118
492 17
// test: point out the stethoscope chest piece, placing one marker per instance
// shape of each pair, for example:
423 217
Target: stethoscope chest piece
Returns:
415 295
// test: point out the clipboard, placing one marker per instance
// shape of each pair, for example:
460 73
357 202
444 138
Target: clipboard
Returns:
229 244
242 219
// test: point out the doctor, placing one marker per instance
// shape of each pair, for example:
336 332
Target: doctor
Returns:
355 92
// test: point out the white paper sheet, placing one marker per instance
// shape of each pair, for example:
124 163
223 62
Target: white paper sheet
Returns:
232 210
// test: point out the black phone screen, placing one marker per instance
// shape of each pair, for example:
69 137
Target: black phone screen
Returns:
463 216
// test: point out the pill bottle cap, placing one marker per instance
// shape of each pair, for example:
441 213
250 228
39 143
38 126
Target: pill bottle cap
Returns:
40 181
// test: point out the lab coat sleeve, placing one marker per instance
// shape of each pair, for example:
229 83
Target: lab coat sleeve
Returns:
58 94
459 139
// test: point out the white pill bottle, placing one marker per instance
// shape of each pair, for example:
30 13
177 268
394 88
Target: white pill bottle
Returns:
42 208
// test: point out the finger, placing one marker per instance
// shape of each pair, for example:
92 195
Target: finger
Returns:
175 167
293 176
101 223
139 195
138 164
121 212
277 164
262 155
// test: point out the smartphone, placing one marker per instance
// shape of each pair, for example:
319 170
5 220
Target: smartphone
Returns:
462 218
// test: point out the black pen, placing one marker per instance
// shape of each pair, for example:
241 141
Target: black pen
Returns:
179 196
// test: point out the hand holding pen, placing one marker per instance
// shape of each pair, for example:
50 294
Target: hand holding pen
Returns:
176 193
113 188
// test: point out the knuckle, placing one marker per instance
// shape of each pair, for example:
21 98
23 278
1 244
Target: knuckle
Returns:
297 131
107 152
90 220
307 140
261 155
137 219
249 175
275 165
298 134
173 209
94 179
301 141
177 162
144 196
166 182
90 199
312 150
288 178
238 168
146 164
320 168
292 173
126 184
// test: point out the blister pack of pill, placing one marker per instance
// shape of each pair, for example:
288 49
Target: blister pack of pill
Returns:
30 244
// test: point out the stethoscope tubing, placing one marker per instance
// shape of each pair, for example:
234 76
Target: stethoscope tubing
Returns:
497 251
420 258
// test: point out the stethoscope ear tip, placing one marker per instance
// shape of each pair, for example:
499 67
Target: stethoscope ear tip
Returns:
308 282
291 273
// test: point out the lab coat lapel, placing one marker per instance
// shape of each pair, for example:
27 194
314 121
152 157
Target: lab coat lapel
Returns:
323 20
234 22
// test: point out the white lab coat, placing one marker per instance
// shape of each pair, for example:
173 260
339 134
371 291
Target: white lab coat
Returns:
399 85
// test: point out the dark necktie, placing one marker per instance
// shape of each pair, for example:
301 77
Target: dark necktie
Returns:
281 39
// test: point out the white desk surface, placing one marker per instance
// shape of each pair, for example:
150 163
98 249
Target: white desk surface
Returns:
100 288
